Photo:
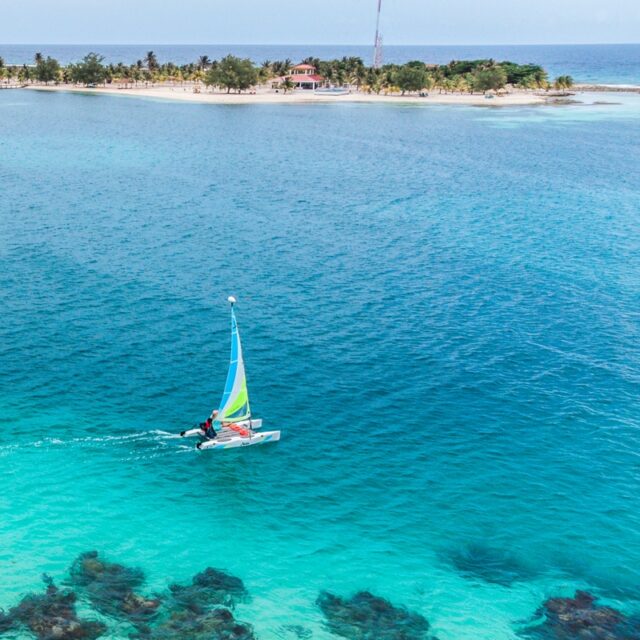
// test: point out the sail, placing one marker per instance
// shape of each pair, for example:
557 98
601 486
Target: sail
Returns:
234 405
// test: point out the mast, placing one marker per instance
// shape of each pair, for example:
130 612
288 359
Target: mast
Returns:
377 45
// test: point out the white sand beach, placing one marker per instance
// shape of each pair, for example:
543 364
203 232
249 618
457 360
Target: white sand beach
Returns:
268 96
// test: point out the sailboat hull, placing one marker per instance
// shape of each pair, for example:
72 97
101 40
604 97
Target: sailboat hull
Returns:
225 441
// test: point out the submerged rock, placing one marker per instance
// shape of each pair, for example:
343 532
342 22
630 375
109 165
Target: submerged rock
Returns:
210 587
110 588
88 569
490 565
51 616
369 617
580 618
6 622
199 611
217 624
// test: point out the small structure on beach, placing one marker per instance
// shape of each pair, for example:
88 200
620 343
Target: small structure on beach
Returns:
304 76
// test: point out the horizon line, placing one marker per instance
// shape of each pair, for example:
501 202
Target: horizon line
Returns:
313 44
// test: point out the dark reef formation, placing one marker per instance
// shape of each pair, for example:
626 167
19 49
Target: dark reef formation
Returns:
581 618
51 616
110 588
185 624
200 611
368 617
210 587
490 565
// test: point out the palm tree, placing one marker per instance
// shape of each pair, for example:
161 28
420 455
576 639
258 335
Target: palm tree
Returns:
281 67
135 74
204 63
38 59
439 79
526 83
563 82
314 62
540 77
460 84
151 60
287 85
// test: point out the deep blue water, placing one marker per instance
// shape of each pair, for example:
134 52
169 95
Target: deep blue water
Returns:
440 310
614 63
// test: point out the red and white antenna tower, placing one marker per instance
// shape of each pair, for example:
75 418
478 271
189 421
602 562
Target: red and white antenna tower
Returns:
377 47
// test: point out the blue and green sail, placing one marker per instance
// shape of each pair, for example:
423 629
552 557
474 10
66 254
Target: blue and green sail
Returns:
234 405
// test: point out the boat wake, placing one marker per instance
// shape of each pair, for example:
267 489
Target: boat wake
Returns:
149 443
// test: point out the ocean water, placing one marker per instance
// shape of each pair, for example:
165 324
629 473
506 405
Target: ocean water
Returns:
605 63
440 309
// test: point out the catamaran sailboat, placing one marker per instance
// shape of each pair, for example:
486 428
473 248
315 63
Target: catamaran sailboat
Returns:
233 422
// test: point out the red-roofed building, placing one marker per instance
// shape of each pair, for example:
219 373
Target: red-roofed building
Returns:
304 76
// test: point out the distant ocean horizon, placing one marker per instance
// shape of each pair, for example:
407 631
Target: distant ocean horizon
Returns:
597 63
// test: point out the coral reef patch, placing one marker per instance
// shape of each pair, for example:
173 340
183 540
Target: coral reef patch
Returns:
198 611
51 616
581 618
110 588
368 617
185 624
210 587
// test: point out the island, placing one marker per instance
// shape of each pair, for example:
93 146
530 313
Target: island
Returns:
235 80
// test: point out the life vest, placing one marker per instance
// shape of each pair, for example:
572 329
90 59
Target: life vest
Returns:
238 429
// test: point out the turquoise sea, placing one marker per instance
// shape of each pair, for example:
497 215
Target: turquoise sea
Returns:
440 309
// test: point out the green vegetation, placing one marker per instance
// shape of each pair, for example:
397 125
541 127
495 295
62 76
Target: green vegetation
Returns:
90 71
411 77
240 74
491 78
47 70
232 73
287 85
563 83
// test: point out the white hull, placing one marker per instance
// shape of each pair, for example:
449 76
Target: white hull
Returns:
229 439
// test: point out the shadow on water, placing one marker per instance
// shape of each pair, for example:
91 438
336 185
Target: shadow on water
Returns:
490 564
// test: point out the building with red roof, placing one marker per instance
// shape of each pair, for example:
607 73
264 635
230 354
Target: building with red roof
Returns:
304 76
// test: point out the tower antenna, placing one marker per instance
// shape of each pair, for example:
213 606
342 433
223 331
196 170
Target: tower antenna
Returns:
377 46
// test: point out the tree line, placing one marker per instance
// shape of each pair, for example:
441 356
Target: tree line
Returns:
240 74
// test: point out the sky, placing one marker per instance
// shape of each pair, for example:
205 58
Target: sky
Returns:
318 21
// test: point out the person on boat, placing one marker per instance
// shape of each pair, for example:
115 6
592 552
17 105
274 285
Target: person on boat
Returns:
207 428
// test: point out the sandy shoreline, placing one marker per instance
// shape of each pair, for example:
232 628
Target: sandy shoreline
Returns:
186 94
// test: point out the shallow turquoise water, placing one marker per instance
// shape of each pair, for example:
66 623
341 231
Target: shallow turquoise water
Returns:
440 310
